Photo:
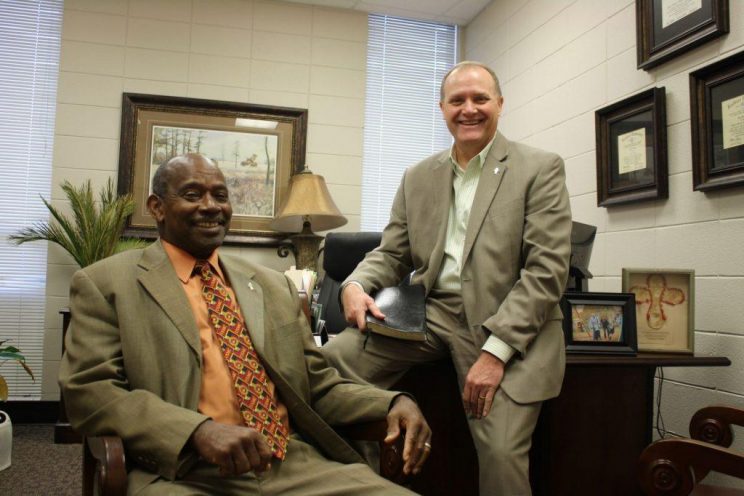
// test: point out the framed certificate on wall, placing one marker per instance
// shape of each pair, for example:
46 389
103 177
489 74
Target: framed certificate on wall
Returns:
632 149
667 28
717 117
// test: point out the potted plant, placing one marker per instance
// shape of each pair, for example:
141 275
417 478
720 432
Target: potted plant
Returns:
94 232
8 353
91 233
11 353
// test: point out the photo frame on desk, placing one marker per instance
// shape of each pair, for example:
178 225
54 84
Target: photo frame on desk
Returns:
632 149
717 117
668 28
599 323
664 300
257 147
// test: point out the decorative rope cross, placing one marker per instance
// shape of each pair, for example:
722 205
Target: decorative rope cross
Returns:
656 293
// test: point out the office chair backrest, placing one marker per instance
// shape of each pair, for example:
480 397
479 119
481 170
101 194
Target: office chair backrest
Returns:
341 255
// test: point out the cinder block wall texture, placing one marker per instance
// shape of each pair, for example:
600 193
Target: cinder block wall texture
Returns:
561 60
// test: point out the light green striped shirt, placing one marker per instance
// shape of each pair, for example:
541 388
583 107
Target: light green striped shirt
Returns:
464 185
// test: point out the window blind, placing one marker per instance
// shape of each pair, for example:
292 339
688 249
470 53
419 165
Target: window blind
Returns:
406 60
30 34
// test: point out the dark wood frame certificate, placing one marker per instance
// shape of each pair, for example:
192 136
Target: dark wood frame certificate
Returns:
665 303
632 149
667 28
717 116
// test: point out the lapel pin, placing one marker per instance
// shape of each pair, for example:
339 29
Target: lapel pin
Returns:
496 170
250 286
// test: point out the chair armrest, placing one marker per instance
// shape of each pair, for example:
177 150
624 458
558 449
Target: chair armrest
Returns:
104 466
712 424
391 455
672 467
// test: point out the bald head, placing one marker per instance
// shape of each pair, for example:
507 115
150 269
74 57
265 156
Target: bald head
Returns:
165 171
191 204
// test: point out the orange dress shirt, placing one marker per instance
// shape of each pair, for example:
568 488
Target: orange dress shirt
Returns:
217 396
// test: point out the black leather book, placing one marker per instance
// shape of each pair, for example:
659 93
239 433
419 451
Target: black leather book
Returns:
405 313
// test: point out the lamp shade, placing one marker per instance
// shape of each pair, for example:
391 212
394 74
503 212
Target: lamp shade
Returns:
308 200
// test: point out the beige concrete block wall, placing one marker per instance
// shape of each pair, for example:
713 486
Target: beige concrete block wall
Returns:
265 52
561 60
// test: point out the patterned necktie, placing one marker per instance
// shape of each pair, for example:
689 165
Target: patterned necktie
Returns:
252 384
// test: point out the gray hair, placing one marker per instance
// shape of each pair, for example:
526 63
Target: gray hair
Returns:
469 63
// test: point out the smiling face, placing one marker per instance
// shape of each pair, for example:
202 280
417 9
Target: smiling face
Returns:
194 211
471 106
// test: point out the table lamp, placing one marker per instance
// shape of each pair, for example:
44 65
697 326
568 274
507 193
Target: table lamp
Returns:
309 207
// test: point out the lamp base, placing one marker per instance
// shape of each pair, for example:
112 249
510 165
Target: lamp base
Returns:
305 246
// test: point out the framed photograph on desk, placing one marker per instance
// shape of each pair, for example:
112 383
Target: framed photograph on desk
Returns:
632 149
717 117
664 300
667 28
599 323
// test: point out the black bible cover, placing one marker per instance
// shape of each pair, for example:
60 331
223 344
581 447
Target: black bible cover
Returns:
405 312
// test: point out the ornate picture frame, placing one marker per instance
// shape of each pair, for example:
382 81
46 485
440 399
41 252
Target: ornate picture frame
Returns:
667 28
632 149
717 117
599 323
665 301
257 147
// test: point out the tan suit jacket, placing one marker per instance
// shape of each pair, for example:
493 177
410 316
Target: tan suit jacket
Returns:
132 365
515 258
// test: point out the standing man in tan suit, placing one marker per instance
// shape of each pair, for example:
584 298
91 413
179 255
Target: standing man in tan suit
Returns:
486 227
205 365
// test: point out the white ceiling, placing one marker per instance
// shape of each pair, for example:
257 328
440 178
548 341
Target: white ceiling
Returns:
459 12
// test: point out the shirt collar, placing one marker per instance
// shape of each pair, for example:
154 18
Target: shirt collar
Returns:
183 262
476 161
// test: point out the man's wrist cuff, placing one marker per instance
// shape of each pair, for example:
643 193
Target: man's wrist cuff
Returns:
498 348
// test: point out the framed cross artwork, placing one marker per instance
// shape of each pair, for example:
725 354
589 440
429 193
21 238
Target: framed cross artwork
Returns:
664 300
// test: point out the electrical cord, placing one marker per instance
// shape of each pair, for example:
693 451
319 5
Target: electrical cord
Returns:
660 427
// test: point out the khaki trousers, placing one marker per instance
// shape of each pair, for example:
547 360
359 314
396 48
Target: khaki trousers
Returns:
502 439
304 472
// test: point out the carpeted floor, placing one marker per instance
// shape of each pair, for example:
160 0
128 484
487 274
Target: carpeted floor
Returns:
40 467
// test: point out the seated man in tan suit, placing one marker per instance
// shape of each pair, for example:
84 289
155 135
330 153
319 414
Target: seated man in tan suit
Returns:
204 364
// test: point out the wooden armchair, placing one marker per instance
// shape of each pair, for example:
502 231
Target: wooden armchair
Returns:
675 467
105 467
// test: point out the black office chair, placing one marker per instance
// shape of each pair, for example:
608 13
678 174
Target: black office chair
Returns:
341 254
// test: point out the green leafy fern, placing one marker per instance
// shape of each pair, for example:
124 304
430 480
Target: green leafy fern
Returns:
93 233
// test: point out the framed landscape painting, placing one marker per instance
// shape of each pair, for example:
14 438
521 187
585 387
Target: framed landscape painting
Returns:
258 148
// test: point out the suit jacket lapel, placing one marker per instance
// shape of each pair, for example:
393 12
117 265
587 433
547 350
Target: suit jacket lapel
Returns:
251 300
161 281
488 185
441 177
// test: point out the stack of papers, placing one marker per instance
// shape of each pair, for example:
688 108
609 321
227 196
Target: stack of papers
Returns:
304 279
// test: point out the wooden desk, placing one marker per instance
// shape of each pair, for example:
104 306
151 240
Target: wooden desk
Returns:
588 439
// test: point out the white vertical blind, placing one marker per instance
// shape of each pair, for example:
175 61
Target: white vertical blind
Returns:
406 61
30 33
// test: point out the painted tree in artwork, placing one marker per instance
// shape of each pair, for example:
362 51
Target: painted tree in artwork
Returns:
268 160
236 153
